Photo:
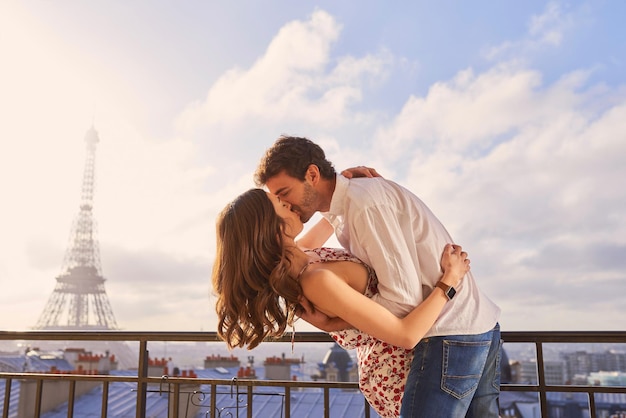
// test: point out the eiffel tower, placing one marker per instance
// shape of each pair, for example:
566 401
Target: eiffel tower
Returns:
79 301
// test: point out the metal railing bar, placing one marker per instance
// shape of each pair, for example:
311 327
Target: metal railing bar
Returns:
249 401
105 398
68 376
142 373
70 401
511 387
7 397
287 401
195 336
564 336
38 398
145 336
326 402
592 405
543 400
174 406
213 400
234 383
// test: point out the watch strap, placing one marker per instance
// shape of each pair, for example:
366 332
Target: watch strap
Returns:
449 291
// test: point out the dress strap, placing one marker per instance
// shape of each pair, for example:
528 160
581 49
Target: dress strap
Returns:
303 269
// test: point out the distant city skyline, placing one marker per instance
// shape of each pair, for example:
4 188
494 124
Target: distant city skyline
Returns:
505 118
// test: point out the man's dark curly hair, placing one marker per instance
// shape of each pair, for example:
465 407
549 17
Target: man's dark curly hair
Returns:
293 155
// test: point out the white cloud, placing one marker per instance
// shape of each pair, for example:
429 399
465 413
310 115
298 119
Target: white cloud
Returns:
467 114
295 80
547 27
546 31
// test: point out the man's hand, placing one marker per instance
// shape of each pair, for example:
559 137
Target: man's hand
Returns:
319 319
360 171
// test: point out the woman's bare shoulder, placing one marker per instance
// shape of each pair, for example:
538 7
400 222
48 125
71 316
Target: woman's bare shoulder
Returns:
329 273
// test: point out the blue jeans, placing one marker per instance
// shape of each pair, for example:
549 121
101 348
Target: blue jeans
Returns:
454 376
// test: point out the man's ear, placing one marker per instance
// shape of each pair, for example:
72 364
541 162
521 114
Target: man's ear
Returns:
313 174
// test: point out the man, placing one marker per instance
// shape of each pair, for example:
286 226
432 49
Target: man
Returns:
455 371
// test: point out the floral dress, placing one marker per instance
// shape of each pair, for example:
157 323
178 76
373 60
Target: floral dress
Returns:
383 368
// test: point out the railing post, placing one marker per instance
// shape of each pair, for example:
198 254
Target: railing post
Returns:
249 415
38 398
142 374
213 400
287 402
175 400
105 398
592 404
541 380
7 397
326 402
70 401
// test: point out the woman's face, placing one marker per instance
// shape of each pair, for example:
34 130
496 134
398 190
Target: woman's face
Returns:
293 224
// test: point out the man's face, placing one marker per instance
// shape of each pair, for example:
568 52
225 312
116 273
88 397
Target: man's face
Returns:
301 195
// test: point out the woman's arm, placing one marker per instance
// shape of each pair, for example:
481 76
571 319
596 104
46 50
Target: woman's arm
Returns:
316 236
360 171
332 295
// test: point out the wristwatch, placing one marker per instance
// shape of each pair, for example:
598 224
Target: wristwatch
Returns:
448 290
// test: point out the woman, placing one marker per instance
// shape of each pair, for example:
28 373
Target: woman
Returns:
262 278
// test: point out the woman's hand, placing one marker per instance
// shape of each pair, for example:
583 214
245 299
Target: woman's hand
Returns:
455 264
360 171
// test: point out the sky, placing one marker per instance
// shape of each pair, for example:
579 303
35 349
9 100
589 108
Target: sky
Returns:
505 118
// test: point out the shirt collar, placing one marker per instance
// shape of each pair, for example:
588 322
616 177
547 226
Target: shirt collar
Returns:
337 202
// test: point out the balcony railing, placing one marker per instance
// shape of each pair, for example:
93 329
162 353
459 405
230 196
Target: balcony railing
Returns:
175 386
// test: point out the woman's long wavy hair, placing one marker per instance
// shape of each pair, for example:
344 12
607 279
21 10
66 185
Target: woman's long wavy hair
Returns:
256 297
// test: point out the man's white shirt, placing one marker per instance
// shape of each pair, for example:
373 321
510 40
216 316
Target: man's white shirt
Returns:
392 230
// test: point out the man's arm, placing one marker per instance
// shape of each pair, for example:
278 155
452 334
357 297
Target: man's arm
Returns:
319 319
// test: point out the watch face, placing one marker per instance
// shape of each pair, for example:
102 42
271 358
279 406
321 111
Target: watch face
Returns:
451 292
